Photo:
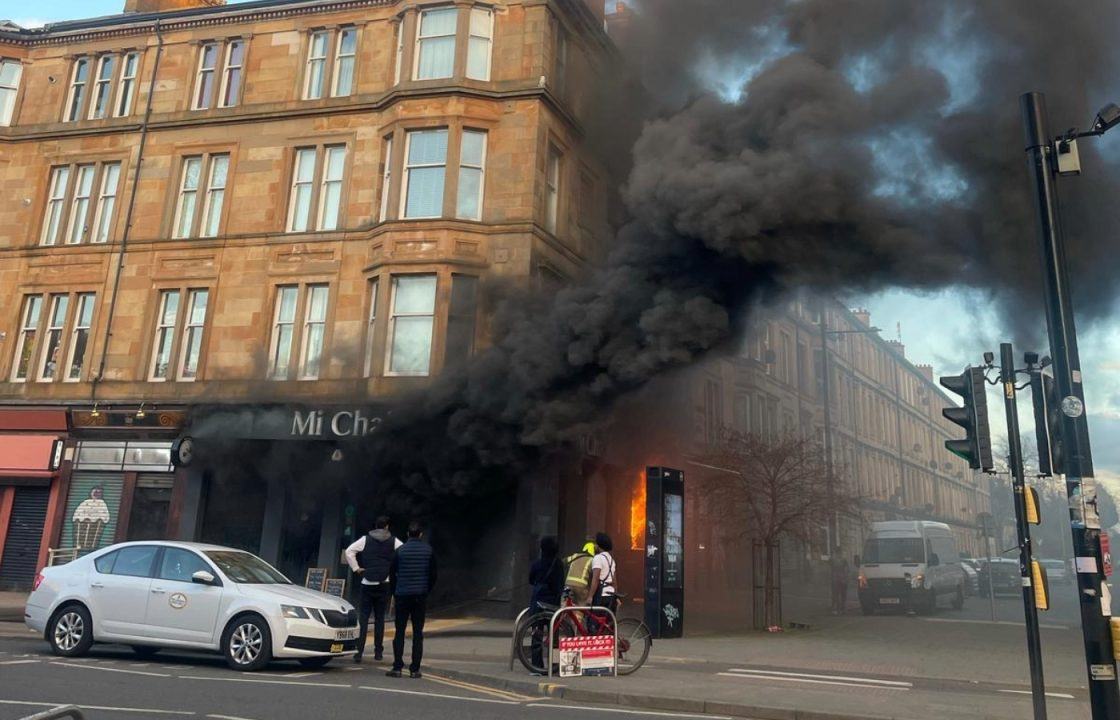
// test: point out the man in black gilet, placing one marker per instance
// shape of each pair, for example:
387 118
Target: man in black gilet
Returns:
370 557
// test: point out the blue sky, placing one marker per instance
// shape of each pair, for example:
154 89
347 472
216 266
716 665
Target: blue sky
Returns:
947 329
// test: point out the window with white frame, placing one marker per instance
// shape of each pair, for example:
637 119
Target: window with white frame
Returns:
400 54
552 190
215 195
193 326
102 87
10 73
52 349
346 48
435 44
231 74
424 170
106 203
79 204
204 77
325 167
371 326
76 97
472 170
316 72
79 337
411 323
189 183
314 330
283 332
164 342
386 177
28 332
56 205
480 44
126 89
202 186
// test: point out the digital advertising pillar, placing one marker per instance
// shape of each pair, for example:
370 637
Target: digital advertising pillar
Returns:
664 592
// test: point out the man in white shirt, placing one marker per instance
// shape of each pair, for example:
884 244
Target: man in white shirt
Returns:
370 557
602 588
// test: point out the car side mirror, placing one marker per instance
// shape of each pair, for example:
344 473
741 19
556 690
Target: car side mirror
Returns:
203 578
934 560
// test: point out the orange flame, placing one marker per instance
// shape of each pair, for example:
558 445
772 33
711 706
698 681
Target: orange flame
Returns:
638 514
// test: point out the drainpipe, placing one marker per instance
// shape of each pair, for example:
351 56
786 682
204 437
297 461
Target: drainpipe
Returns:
128 216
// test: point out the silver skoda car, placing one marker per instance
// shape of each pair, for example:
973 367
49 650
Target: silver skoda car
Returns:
153 595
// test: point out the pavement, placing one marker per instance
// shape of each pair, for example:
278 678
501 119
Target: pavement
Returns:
955 664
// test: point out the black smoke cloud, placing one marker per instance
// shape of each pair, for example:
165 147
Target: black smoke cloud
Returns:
875 143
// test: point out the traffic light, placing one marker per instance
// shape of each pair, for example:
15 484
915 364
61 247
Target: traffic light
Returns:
1047 424
976 447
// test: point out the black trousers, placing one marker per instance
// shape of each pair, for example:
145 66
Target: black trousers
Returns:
409 608
375 599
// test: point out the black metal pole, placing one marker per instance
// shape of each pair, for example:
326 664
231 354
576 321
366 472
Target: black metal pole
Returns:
826 390
1104 694
1022 529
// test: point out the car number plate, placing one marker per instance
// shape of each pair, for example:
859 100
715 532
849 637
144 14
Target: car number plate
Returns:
346 634
336 647
889 601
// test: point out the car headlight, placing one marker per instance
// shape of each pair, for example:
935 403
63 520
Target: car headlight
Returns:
294 612
918 581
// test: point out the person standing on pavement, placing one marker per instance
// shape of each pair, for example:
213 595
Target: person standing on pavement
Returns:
546 577
412 575
603 574
370 556
839 567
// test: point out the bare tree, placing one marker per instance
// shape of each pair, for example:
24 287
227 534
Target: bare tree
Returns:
780 489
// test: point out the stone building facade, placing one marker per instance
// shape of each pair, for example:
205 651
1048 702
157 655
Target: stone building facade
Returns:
291 208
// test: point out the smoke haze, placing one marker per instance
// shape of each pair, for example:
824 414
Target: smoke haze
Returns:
873 143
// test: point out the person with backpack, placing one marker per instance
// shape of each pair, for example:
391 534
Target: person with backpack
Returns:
413 575
546 577
603 574
370 557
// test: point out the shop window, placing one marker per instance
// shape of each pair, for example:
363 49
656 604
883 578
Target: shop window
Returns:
308 336
472 169
74 212
435 44
10 73
219 74
461 318
180 326
323 167
202 185
552 190
480 44
371 325
425 167
411 323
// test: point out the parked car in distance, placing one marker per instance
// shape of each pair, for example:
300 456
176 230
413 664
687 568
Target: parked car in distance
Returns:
1005 576
910 565
971 579
1057 572
156 594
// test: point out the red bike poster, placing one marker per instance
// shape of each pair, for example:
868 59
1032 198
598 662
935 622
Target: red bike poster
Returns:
587 655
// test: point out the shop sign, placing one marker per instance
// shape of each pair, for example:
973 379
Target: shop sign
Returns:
340 424
587 655
285 422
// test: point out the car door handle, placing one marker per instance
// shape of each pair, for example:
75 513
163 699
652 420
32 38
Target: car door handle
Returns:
96 585
158 591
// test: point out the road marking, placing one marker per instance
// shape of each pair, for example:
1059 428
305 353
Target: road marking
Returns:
420 693
139 664
623 711
17 662
822 677
300 674
227 717
463 685
992 622
1064 696
262 681
807 680
107 669
150 711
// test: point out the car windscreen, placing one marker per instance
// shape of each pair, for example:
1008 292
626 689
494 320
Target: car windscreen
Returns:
894 550
241 567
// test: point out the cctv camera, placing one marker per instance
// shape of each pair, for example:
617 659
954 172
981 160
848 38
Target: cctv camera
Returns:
989 358
1046 362
1031 358
1107 118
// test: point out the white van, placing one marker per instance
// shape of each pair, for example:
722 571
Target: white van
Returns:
910 564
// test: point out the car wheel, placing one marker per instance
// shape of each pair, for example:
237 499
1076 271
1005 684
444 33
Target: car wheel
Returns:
145 651
247 643
315 662
71 631
958 599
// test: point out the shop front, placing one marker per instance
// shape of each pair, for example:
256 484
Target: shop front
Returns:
31 479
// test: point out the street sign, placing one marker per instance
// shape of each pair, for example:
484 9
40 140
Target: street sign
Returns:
1106 554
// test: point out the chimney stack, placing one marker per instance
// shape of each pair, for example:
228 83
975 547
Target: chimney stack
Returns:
863 315
148 6
898 347
926 371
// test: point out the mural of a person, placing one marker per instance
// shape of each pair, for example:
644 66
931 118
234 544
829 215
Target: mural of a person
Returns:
90 519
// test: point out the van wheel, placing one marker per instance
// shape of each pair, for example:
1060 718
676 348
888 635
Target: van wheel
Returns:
70 632
958 599
927 604
247 643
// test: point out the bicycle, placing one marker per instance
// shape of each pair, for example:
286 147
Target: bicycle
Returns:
632 649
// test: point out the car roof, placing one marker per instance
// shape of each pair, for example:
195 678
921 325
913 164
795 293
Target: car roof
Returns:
201 547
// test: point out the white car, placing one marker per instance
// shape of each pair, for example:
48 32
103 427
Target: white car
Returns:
153 595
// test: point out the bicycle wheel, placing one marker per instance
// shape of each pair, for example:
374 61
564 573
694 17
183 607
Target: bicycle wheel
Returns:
634 644
532 642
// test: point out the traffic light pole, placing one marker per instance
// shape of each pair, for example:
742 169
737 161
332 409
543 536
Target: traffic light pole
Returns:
1018 486
1104 693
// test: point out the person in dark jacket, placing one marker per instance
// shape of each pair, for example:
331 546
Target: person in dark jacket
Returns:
370 557
546 577
412 575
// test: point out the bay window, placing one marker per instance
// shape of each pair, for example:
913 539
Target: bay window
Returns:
425 166
472 165
314 329
435 44
411 324
283 330
10 73
371 326
552 190
480 43
461 319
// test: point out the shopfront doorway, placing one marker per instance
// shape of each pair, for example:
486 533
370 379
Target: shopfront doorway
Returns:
24 537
